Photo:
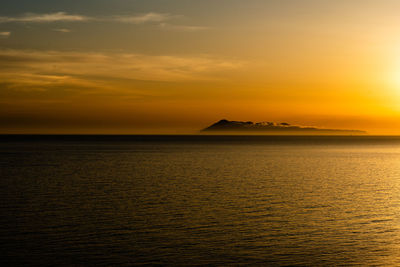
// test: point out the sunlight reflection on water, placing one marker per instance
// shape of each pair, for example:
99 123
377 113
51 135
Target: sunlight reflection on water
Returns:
124 203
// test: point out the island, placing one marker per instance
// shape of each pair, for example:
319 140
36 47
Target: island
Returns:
248 127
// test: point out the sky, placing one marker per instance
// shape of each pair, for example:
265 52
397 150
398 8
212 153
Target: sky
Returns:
177 66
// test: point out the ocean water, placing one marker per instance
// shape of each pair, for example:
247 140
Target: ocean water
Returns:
187 200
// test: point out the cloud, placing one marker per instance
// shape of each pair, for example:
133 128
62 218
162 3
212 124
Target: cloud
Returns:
144 18
44 70
62 30
151 17
43 18
5 34
182 28
63 16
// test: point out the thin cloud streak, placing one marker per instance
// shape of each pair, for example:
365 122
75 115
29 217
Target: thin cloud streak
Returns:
45 70
182 28
5 34
62 30
45 18
144 18
151 17
63 16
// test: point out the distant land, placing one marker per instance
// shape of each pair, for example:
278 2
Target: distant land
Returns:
226 126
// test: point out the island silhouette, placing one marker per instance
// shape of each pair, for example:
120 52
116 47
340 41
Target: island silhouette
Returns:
226 126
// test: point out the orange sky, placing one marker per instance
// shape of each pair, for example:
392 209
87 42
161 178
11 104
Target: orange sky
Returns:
172 67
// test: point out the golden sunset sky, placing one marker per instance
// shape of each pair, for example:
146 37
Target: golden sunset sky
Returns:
176 66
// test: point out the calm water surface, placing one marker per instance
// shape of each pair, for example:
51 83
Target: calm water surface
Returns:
305 202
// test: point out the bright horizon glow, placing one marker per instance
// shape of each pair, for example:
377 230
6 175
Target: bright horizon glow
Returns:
169 67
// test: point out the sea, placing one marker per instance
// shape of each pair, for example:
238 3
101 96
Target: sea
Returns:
101 200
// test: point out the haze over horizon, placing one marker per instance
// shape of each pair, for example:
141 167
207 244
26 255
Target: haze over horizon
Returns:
156 66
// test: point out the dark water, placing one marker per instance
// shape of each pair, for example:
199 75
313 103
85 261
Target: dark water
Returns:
187 200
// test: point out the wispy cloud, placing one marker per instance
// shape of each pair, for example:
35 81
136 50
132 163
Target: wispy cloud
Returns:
62 30
5 34
159 19
182 28
44 70
43 18
143 18
63 16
